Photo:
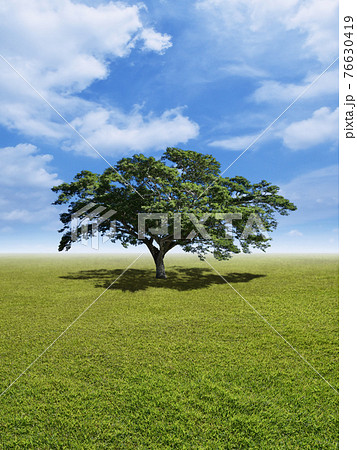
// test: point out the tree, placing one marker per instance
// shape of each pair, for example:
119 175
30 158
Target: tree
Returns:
188 188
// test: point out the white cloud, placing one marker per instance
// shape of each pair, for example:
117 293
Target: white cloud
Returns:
68 44
111 132
320 128
22 166
243 69
25 182
18 215
234 143
274 91
288 40
316 21
155 41
255 13
295 233
315 194
61 47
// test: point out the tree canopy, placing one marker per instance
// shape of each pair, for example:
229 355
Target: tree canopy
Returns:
187 188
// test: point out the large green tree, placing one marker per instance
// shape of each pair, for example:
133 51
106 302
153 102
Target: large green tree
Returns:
188 188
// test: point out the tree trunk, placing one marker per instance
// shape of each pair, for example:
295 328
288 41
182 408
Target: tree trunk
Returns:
160 267
158 255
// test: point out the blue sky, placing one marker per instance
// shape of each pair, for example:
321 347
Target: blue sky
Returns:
205 75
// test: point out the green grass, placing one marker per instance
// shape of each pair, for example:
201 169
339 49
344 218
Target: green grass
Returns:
179 363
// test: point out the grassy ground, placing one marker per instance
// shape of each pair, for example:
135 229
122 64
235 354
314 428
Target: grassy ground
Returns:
178 363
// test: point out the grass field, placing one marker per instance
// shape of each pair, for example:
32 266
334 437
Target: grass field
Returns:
179 363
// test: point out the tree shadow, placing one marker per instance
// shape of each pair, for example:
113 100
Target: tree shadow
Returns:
180 279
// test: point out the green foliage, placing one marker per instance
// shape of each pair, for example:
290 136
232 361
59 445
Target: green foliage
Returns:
182 364
183 182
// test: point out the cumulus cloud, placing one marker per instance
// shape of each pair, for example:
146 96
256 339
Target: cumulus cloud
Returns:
25 181
238 11
274 91
252 31
316 21
61 47
155 41
22 166
67 44
113 132
320 128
